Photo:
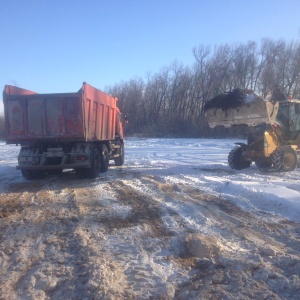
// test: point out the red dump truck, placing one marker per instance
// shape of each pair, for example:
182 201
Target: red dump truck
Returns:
80 131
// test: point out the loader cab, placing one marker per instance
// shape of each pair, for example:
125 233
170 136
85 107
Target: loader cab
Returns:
288 117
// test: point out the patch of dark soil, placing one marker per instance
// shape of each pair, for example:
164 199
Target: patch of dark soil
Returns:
143 210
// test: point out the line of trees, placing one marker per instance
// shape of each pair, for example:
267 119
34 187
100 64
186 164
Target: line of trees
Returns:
170 102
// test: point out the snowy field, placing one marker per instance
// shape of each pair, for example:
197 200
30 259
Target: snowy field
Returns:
175 222
203 164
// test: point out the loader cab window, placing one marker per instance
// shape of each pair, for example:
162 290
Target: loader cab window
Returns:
289 119
295 117
283 118
283 115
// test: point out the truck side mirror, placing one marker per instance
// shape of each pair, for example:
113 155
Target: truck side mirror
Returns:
297 108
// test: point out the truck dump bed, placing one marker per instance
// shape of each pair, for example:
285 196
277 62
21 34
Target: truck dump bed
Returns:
86 115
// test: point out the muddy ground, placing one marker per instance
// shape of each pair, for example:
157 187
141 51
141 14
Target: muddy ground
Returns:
132 235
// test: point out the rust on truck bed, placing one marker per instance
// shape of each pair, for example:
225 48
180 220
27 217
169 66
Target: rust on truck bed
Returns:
86 115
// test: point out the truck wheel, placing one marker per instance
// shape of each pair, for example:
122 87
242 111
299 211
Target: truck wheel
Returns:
55 172
94 170
284 160
104 158
33 174
119 161
27 174
81 173
236 161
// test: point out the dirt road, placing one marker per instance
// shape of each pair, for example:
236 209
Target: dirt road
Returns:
133 235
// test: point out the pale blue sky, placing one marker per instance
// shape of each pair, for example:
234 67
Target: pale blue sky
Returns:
55 45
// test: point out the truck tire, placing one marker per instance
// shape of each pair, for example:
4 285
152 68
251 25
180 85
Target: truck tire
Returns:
236 161
33 174
94 170
55 172
119 161
284 160
104 157
82 173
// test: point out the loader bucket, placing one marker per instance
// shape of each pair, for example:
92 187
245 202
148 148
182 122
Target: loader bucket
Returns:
240 108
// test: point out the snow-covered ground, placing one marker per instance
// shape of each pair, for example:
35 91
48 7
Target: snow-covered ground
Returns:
175 222
202 163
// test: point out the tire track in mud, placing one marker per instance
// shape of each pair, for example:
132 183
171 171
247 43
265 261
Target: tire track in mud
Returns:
137 251
125 239
144 210
64 265
22 244
65 250
263 247
232 221
100 273
266 250
70 260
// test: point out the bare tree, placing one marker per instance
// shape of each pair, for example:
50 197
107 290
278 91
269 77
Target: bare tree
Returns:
156 95
171 101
